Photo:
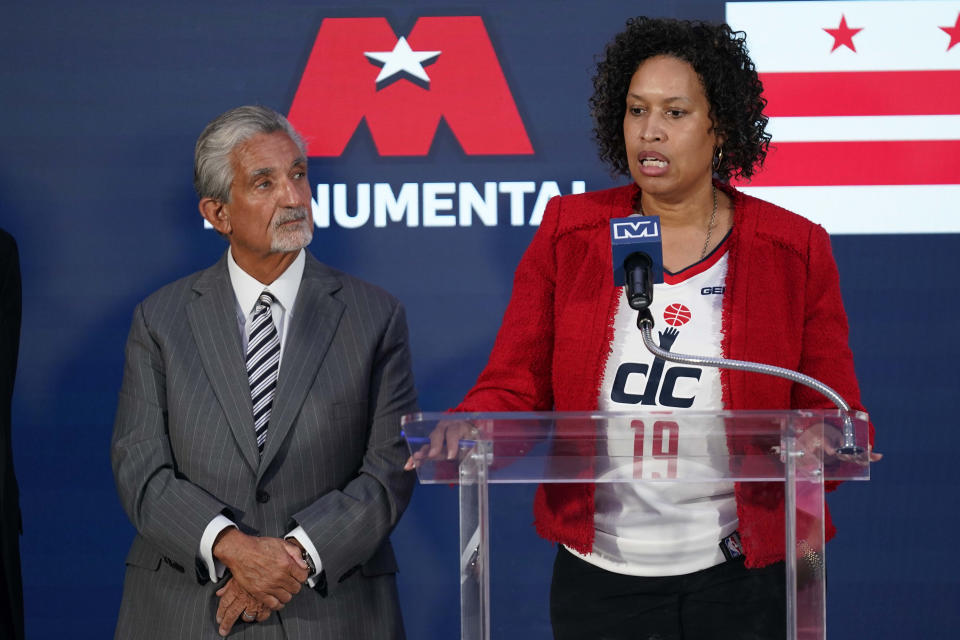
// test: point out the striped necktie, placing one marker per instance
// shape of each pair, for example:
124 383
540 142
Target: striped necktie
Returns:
263 364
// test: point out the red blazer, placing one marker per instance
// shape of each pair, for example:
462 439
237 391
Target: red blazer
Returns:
782 306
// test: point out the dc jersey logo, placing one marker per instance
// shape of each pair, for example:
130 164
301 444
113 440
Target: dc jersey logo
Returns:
661 382
445 68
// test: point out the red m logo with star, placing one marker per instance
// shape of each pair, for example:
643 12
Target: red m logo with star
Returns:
445 67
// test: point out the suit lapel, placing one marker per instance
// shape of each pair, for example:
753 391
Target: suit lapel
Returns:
316 316
213 320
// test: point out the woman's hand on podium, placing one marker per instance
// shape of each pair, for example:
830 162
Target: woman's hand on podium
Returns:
445 442
829 439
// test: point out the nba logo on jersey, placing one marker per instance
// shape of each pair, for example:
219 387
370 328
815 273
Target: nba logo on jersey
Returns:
731 547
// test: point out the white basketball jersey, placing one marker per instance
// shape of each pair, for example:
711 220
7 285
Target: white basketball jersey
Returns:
666 528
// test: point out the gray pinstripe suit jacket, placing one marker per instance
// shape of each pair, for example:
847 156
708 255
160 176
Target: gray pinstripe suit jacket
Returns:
184 451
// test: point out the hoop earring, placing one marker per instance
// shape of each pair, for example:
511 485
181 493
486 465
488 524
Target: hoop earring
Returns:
718 159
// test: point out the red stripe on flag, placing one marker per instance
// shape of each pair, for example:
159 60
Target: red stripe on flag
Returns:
862 93
791 164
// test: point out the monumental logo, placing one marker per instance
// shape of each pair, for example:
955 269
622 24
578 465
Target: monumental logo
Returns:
445 67
401 86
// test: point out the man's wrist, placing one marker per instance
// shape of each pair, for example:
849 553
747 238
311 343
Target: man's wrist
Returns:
304 555
224 543
211 535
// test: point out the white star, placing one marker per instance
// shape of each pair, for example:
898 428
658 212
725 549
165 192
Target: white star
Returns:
402 60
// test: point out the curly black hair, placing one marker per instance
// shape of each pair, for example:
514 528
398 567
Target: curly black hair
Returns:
719 56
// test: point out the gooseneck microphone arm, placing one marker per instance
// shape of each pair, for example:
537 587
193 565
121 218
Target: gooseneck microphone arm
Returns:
645 325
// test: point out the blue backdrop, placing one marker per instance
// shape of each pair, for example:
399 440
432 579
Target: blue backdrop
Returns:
101 105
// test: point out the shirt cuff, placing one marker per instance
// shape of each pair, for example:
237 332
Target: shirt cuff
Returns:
215 568
301 535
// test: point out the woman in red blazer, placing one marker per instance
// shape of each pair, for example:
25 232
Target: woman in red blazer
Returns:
678 107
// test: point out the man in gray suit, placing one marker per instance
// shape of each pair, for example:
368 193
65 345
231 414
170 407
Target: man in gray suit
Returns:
257 440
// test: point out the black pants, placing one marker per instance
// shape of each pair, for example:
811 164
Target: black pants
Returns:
725 602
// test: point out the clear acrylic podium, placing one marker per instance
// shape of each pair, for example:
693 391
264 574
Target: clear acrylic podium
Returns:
797 449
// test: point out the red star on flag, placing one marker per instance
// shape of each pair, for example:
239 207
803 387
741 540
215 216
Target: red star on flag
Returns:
843 35
954 33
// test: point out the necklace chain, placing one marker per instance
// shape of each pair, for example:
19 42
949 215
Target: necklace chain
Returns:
710 225
638 208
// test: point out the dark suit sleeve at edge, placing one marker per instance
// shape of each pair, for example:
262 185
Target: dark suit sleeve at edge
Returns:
348 526
167 510
10 300
12 524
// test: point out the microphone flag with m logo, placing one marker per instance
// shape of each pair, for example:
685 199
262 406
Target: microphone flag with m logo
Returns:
636 234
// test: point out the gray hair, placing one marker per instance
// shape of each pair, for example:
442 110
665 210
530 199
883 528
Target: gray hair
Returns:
212 171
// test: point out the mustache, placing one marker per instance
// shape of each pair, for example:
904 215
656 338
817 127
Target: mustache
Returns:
289 215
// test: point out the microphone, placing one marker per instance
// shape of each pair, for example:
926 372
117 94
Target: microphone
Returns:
637 257
637 268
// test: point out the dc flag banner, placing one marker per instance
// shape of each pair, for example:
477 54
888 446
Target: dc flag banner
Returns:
864 106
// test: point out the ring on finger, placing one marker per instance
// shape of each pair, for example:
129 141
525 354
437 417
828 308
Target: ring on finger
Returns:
248 617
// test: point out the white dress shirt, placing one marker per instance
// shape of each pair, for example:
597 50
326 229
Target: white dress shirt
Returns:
247 290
